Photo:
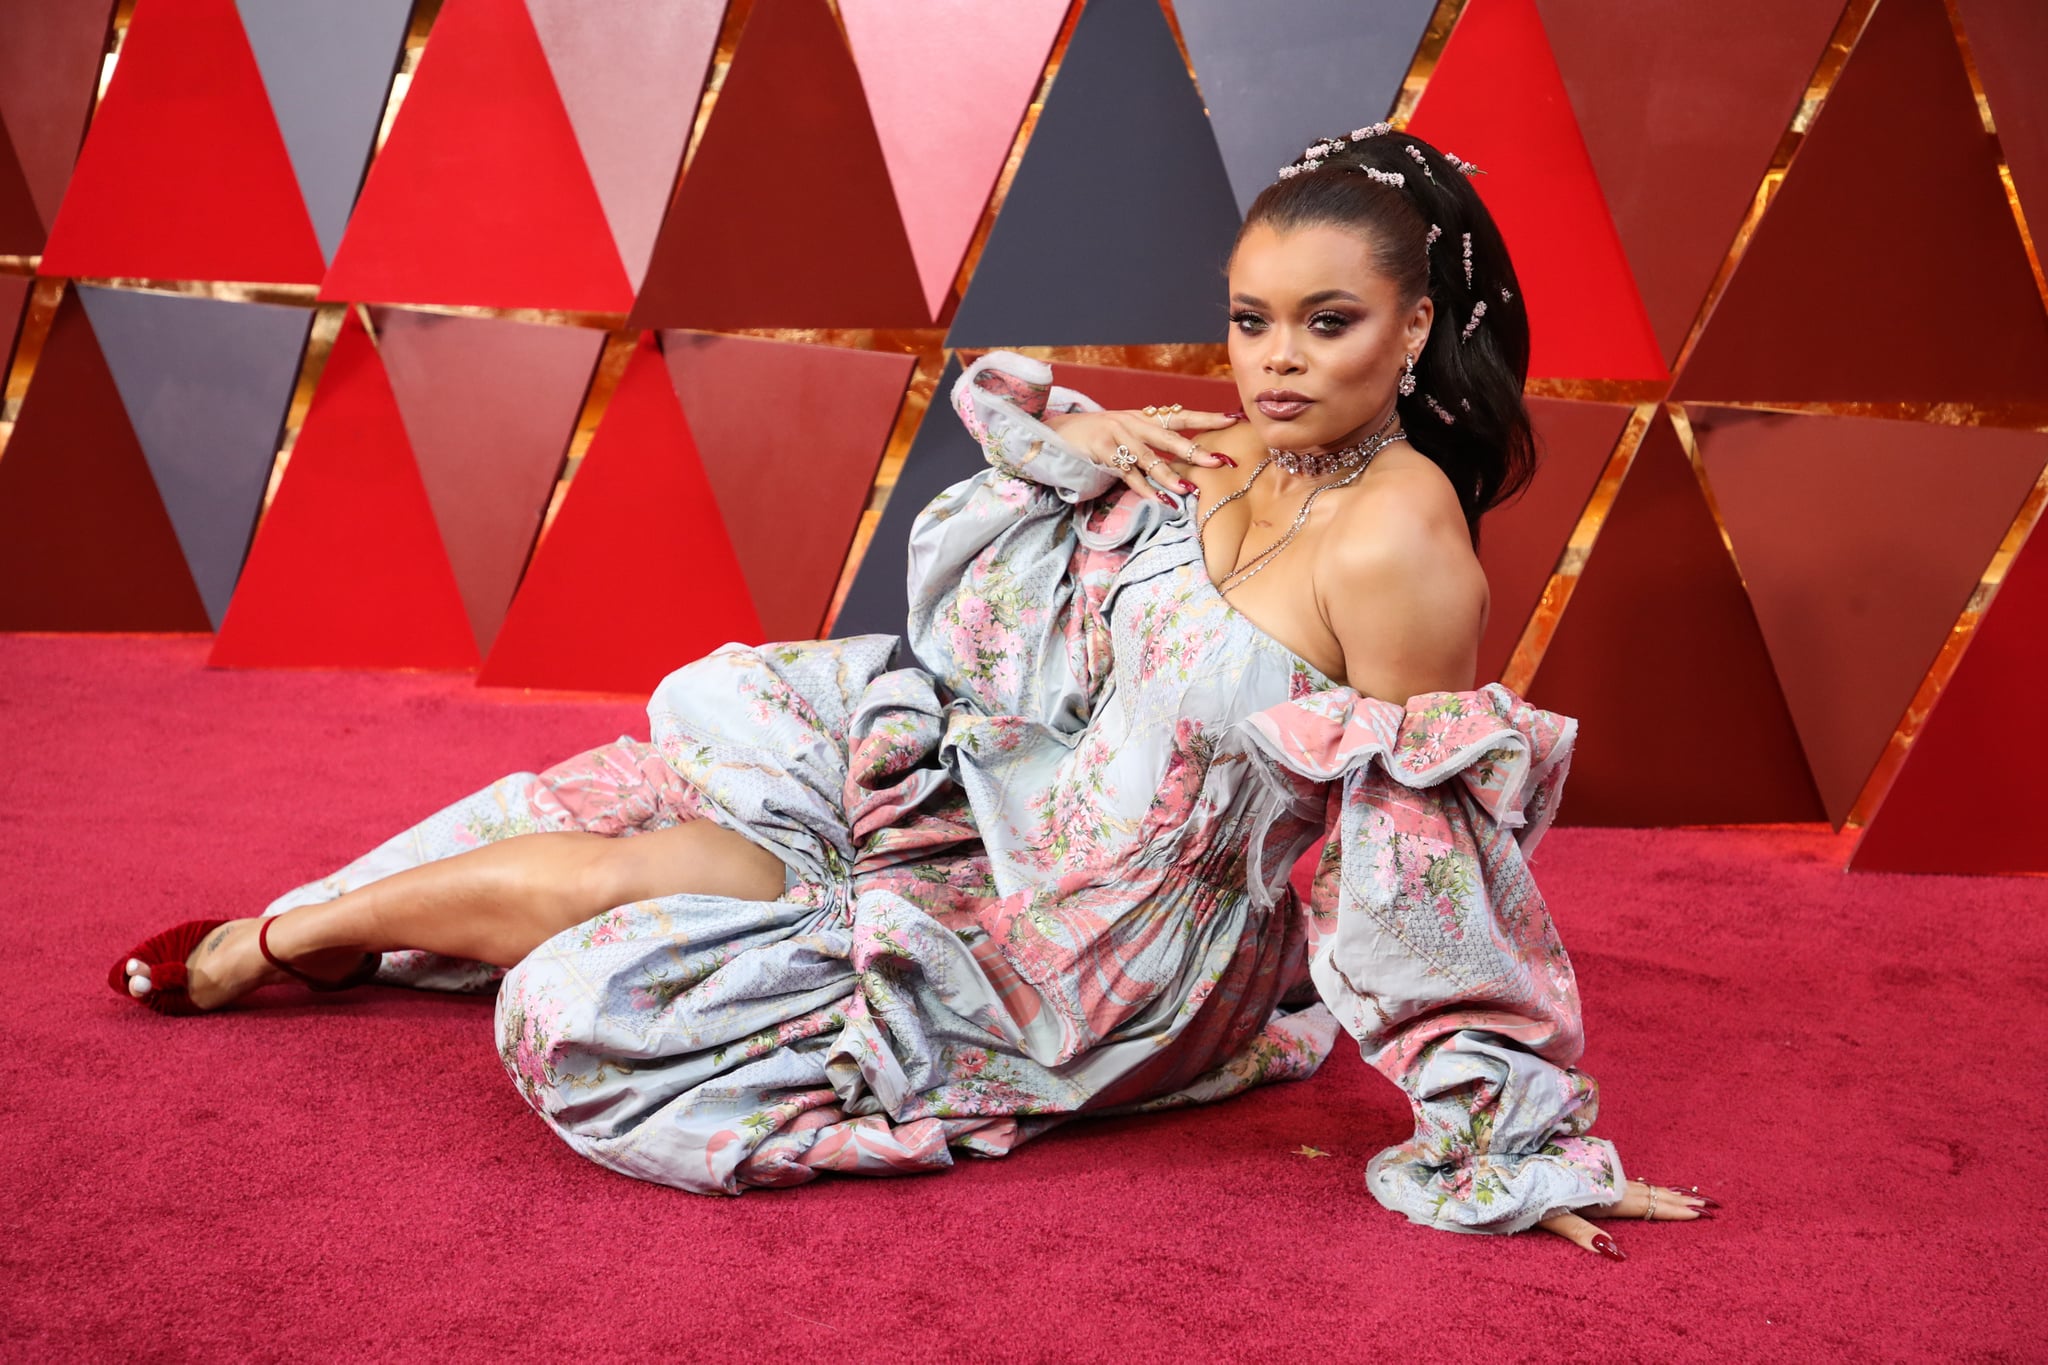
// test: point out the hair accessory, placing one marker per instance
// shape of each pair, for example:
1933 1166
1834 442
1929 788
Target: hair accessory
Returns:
1379 129
1407 384
1505 296
1463 165
1289 172
1468 260
1465 403
1415 154
1478 312
1434 233
1394 178
1438 409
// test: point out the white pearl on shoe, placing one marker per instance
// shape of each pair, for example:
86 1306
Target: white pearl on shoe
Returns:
136 967
138 986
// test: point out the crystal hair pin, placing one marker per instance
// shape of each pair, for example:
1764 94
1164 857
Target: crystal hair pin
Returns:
1438 409
1415 154
1468 260
1478 312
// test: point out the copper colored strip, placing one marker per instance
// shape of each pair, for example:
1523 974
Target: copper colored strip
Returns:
327 320
1435 34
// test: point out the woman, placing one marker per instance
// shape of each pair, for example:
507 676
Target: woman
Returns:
840 918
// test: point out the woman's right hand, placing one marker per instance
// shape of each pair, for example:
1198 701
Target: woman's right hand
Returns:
1155 441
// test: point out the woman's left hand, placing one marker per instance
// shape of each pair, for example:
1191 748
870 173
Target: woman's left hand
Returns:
1658 1203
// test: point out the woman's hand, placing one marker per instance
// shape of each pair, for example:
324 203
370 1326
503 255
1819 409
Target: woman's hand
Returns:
1155 443
1659 1203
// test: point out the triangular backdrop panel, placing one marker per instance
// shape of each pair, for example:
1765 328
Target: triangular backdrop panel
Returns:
818 242
1281 74
1888 268
1860 541
1138 258
85 543
21 230
1520 543
635 577
489 405
206 383
1682 104
1659 657
943 454
185 179
2009 43
630 73
480 195
947 82
791 490
1496 99
1962 802
49 72
347 570
328 69
14 292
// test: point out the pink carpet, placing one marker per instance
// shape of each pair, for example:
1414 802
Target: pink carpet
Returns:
1852 1063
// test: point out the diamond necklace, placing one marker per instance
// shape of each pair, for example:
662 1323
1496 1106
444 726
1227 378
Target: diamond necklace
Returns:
1360 455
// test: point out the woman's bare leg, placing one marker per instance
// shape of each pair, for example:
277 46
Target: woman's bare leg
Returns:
492 904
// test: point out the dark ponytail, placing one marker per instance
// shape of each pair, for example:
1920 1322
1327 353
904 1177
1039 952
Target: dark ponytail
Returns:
1466 413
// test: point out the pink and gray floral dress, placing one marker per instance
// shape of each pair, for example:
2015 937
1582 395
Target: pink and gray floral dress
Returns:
1045 874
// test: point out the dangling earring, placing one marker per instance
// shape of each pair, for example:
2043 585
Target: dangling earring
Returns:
1407 385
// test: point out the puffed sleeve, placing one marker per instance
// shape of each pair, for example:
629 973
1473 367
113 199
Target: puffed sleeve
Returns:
1008 569
1431 943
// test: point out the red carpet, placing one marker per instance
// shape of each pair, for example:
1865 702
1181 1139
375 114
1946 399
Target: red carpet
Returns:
1851 1063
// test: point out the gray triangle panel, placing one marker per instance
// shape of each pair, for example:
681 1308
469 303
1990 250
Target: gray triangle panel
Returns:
206 384
1119 223
1280 74
942 454
327 66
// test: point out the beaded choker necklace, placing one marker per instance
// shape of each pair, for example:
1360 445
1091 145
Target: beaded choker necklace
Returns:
1335 461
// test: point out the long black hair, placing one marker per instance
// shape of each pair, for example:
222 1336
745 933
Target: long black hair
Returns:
1426 223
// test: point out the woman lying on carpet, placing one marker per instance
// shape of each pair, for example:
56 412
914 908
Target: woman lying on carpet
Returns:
841 918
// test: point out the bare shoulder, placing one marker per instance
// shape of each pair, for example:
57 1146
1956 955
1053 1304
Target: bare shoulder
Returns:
1400 584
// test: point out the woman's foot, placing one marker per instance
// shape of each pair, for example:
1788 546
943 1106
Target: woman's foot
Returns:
228 964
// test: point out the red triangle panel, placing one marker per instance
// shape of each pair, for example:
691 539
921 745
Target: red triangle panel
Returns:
480 195
1682 105
1888 268
792 490
1496 99
1659 656
1521 542
2009 43
347 570
636 576
816 242
1860 542
21 230
85 542
1964 802
184 178
50 57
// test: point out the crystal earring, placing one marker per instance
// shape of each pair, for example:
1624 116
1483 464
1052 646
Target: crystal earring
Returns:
1407 385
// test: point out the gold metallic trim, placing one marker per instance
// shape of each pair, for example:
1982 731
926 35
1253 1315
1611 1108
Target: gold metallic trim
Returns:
320 338
1428 52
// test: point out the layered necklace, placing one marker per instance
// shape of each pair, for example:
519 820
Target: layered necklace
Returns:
1352 461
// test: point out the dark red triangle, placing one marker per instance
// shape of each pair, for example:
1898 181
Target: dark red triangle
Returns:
834 409
786 216
481 195
636 576
1520 544
85 542
1496 99
185 175
1888 268
2009 43
21 229
348 570
1682 105
1659 657
1860 541
1964 802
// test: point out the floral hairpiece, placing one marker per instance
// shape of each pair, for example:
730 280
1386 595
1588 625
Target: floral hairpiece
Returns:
1461 164
1478 312
1380 129
1415 153
1438 409
1468 260
1435 231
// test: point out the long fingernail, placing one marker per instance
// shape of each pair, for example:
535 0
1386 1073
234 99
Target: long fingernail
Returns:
1606 1247
1226 459
1165 500
1708 1200
1702 1213
1235 416
1187 487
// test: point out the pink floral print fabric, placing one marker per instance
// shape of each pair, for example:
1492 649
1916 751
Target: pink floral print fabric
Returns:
1043 873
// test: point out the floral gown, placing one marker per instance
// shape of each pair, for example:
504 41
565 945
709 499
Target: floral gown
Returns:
1046 874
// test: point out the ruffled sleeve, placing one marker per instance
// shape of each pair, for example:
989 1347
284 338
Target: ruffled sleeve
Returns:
1433 946
1008 569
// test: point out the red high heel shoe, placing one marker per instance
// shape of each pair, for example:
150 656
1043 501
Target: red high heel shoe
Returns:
165 953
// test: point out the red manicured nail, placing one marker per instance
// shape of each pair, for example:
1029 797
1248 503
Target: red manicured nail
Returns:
1702 1213
1235 416
1708 1200
1166 500
1187 487
1606 1247
1225 458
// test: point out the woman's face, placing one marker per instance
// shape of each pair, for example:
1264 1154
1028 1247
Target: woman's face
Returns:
1318 336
